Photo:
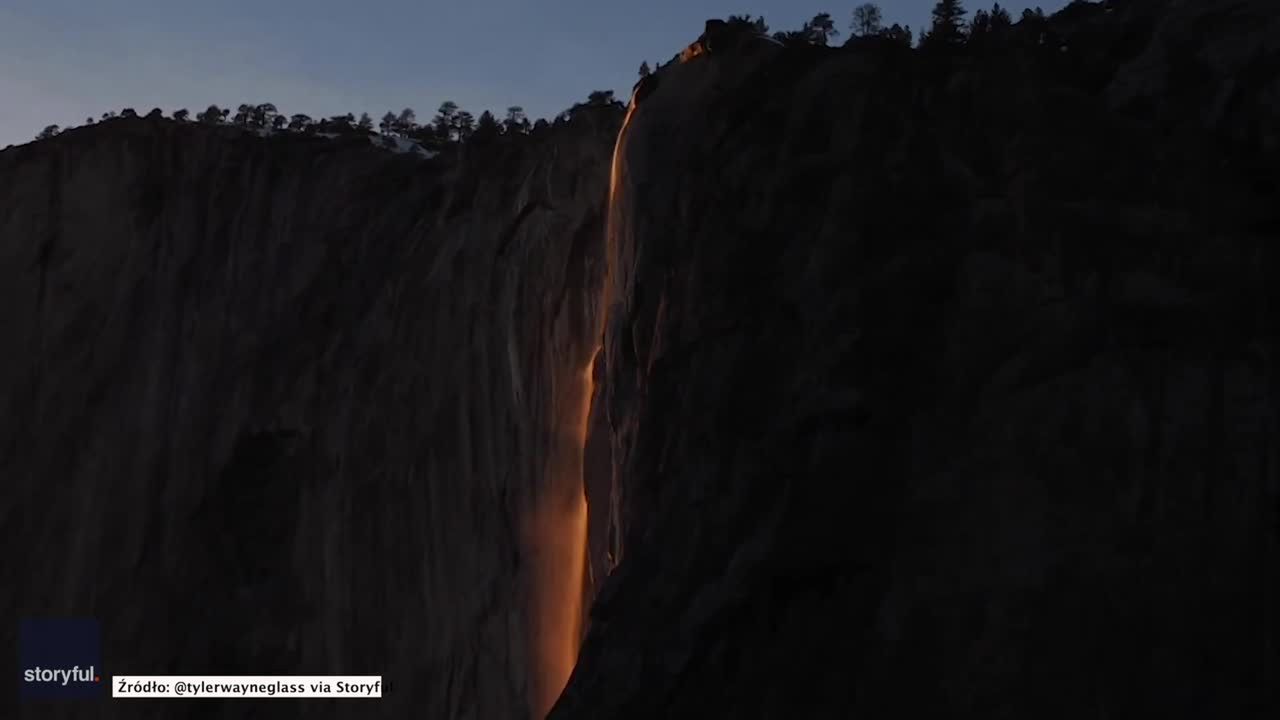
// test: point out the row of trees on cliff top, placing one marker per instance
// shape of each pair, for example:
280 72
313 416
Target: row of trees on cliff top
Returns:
450 123
948 30
948 25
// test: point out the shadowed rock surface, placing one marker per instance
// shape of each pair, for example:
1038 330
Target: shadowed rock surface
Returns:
948 387
280 406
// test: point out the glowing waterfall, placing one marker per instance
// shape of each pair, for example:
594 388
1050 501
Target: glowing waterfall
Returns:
558 529
559 543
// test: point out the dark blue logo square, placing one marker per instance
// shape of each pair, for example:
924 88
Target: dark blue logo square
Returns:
59 658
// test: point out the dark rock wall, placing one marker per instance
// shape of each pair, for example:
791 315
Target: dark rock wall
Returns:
949 388
281 406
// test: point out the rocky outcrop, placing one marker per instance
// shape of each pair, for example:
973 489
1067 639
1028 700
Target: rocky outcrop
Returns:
291 405
947 386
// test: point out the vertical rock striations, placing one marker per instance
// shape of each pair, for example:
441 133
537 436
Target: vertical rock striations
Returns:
284 406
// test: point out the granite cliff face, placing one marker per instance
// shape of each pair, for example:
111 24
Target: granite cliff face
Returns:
926 386
299 406
948 386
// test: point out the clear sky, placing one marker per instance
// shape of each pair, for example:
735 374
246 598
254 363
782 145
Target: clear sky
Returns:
63 60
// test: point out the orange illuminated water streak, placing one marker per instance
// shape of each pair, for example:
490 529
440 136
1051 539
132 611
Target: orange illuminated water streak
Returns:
560 523
615 208
560 552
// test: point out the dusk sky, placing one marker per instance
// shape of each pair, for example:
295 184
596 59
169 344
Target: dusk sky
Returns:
63 60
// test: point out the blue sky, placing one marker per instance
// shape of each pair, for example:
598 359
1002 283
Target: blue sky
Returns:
62 60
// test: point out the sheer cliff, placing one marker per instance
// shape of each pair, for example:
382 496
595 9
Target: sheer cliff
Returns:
297 405
946 386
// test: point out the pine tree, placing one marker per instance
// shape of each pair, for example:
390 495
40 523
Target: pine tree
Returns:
644 69
443 121
516 121
464 124
263 115
948 25
990 29
821 29
406 122
388 124
866 20
979 28
487 128
898 34
1000 19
